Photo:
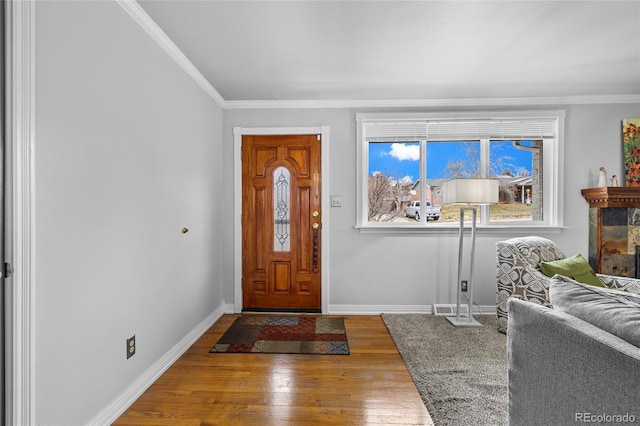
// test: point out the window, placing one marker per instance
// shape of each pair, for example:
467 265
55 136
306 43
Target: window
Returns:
281 209
403 160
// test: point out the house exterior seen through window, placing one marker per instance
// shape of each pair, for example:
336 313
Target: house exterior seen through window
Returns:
405 159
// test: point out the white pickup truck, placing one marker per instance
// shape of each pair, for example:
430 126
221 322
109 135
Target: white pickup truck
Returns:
430 212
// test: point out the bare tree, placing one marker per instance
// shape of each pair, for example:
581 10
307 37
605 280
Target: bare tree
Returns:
469 166
378 190
385 198
507 192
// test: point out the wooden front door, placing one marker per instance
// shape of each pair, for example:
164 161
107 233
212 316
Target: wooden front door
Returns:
281 222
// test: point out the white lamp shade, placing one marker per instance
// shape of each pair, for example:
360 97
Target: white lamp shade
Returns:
470 191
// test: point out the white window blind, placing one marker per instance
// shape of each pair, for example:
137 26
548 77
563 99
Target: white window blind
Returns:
458 130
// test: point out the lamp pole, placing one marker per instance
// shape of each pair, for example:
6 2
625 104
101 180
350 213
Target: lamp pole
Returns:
468 320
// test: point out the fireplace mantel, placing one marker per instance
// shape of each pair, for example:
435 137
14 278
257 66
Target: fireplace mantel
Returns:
612 196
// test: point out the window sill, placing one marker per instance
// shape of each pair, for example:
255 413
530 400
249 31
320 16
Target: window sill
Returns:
454 229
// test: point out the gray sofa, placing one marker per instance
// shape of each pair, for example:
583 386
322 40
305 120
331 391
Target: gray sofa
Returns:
568 364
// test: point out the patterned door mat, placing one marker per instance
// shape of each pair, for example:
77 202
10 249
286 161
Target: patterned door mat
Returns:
285 335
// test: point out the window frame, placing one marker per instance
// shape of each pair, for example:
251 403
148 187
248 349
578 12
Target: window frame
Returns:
553 150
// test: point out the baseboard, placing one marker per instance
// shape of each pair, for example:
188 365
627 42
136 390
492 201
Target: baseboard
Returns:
114 410
228 308
484 310
337 309
379 309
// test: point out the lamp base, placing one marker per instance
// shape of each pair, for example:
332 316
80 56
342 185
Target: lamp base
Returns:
465 322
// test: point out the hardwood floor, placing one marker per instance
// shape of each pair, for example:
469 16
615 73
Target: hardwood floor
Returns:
369 387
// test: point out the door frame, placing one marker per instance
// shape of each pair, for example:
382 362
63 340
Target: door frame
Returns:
20 211
238 132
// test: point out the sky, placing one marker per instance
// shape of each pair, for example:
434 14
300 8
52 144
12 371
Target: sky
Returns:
402 160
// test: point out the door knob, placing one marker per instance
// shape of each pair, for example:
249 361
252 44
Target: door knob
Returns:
315 213
315 226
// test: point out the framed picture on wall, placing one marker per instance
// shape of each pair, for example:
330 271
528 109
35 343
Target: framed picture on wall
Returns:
631 148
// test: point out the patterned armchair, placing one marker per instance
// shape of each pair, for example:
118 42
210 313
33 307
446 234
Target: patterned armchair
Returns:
519 272
519 275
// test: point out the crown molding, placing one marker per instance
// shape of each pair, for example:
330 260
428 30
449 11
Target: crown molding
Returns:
146 23
404 103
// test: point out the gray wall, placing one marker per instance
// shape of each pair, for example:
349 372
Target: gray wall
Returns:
127 153
416 270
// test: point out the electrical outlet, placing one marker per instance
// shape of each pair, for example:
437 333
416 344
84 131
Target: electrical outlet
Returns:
131 346
464 285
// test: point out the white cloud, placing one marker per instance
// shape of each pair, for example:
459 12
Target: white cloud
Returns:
406 180
403 151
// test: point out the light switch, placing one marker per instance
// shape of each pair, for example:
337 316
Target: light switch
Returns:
336 201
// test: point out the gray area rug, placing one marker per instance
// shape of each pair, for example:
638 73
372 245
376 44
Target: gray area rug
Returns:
461 373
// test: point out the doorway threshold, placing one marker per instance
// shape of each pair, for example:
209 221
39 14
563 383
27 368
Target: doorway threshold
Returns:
280 311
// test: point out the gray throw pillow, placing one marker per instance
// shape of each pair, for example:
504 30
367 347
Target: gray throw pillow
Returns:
617 312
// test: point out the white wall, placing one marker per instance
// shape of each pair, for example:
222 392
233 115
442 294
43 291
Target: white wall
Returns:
127 154
418 270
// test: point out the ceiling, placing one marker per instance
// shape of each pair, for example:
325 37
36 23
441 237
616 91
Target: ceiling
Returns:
407 50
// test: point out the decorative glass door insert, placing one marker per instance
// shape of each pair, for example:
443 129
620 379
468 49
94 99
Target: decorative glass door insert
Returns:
281 206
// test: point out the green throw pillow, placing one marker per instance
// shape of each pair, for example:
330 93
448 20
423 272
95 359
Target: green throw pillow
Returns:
575 267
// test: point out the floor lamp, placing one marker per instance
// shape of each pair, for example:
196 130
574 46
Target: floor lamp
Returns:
470 193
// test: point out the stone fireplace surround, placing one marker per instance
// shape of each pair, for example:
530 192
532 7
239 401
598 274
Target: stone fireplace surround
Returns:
614 230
